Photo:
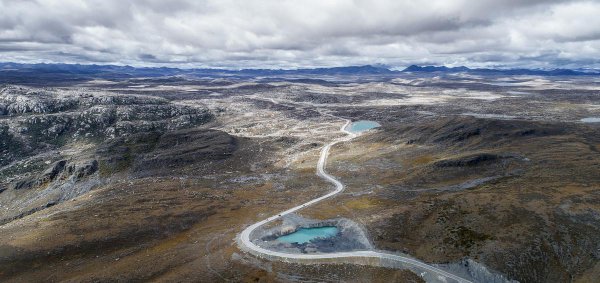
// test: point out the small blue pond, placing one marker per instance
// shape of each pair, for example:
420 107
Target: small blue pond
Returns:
361 126
305 235
591 120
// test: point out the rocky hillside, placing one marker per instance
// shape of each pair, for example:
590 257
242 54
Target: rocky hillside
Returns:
57 144
520 197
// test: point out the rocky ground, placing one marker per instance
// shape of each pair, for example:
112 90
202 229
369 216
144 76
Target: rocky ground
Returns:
516 195
152 179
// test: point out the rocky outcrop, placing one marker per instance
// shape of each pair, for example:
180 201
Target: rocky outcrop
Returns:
85 133
19 100
51 173
37 120
60 170
23 184
84 169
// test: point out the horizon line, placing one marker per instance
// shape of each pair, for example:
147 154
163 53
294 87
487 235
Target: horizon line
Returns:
376 65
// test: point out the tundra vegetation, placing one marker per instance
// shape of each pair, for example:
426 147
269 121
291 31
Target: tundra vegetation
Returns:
128 179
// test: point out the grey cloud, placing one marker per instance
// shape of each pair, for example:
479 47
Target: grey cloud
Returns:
273 33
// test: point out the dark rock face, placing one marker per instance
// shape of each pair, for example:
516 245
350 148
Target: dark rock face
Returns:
23 184
471 160
60 170
459 135
86 169
51 173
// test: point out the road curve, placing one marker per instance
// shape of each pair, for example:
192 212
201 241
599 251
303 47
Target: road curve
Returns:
247 244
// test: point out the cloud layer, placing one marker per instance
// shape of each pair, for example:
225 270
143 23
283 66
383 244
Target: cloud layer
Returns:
308 33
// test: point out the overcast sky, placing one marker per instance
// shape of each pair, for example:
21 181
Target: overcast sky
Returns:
303 33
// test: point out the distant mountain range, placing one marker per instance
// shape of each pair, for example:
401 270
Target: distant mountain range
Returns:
463 69
17 72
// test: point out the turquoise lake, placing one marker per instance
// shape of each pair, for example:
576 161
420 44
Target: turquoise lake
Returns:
591 120
305 235
361 126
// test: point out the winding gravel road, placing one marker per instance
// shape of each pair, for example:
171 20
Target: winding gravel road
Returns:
436 274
